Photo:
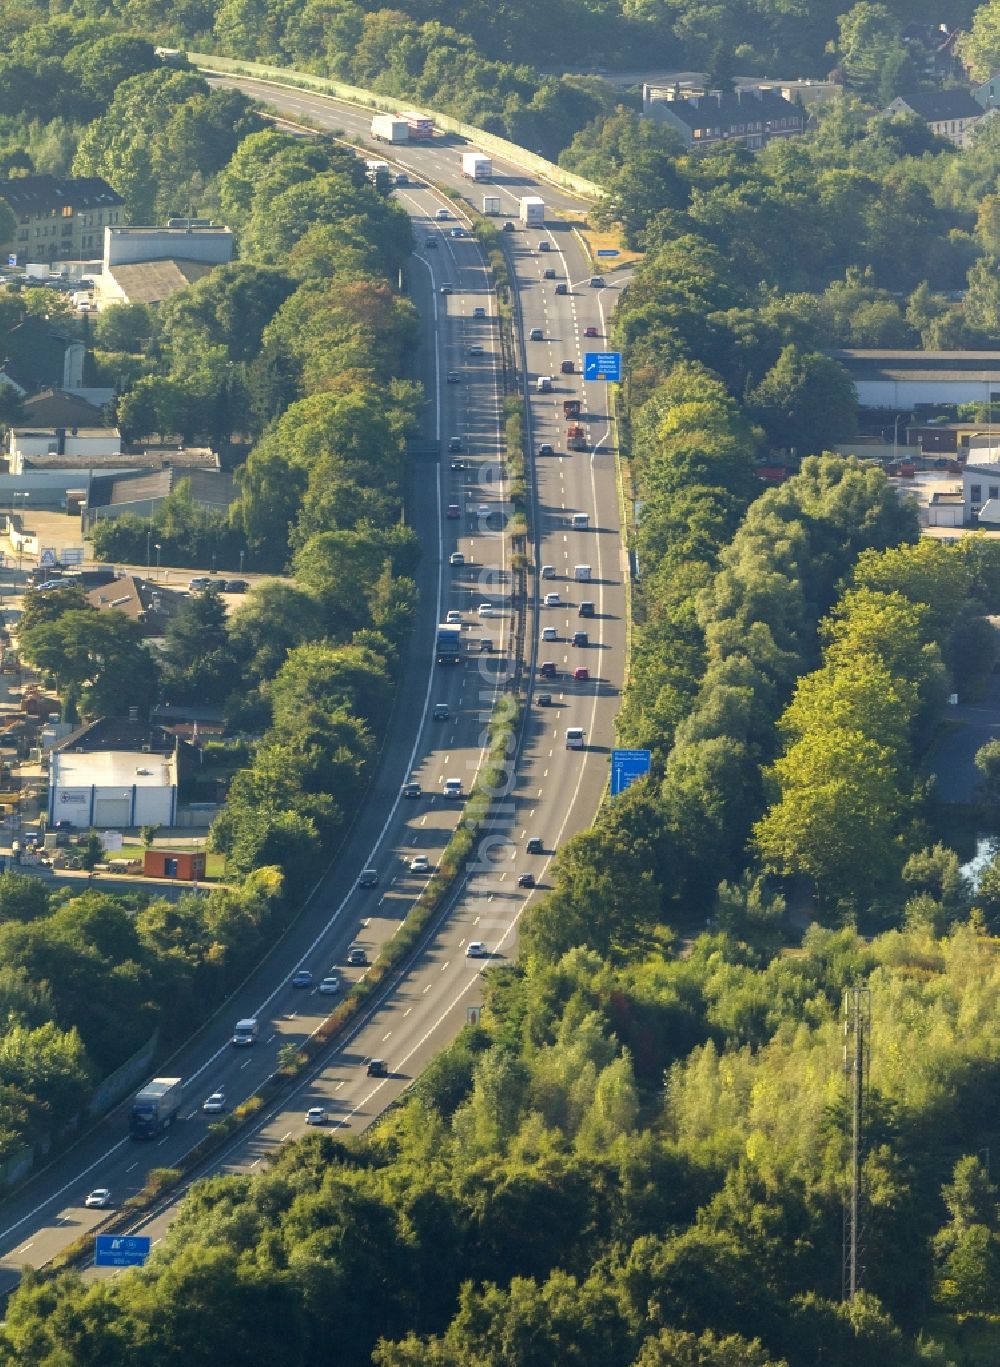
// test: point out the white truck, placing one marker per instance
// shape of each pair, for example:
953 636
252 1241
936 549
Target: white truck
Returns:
532 211
390 128
476 166
372 169
491 205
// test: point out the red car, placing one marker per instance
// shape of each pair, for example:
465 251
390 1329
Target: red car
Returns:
582 674
590 332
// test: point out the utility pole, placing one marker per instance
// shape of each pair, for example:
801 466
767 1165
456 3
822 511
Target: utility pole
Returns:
857 1058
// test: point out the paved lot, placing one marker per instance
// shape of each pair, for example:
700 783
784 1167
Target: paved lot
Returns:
968 727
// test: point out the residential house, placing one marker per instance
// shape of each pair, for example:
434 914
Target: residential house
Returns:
149 604
148 265
951 114
988 94
58 218
116 772
931 48
900 380
749 118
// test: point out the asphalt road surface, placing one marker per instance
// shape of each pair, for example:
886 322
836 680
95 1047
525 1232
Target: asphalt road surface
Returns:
555 792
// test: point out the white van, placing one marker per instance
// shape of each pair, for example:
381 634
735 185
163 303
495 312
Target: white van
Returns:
245 1032
453 787
581 519
582 574
574 737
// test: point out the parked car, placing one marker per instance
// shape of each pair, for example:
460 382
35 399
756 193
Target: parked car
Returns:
199 582
316 1115
235 586
214 1104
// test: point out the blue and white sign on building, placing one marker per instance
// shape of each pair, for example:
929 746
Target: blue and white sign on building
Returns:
602 365
626 767
121 1250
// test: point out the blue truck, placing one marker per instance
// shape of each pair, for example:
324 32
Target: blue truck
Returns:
155 1106
449 644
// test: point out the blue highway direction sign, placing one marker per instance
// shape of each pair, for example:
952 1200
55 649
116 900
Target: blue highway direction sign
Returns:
121 1250
602 365
607 251
626 767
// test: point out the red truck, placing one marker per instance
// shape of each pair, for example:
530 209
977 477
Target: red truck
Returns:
576 437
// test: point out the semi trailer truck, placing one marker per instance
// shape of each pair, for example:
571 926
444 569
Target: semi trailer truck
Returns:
155 1106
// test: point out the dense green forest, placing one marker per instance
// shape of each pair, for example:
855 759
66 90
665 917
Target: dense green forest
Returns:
639 1155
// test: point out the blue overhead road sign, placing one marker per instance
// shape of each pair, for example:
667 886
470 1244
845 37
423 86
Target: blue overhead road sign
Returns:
626 767
602 365
121 1250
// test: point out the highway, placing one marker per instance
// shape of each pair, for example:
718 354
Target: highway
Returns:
555 790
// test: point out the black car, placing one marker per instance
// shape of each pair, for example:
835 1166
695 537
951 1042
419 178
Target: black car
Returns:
544 700
586 608
549 273
411 789
356 956
377 1068
580 638
526 880
235 586
535 846
508 227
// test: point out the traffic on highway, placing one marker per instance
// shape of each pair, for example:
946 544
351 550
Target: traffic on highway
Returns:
460 660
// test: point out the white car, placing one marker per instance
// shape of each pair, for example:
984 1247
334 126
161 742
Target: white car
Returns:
552 600
454 617
99 1199
329 985
485 610
199 582
420 864
456 558
476 949
442 214
548 633
214 1104
548 571
316 1115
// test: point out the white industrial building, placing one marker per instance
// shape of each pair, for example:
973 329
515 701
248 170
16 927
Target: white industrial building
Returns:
76 444
148 265
115 772
903 380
